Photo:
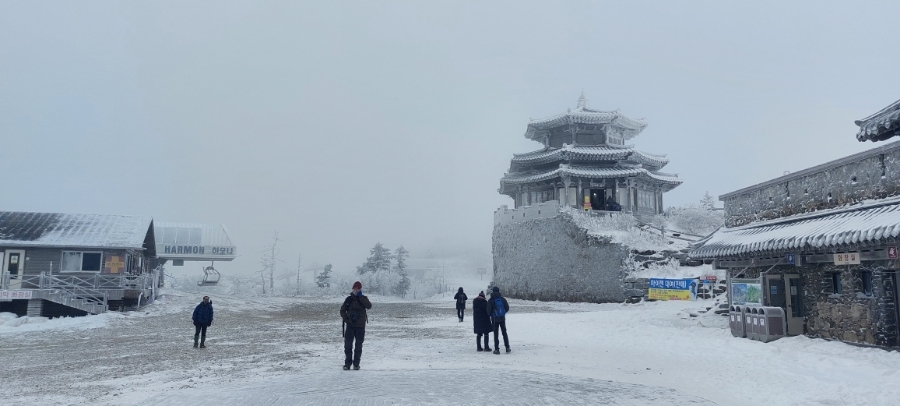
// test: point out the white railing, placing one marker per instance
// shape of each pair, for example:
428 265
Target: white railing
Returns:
87 293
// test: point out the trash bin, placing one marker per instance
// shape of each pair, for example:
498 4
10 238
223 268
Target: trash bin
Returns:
771 324
751 323
736 317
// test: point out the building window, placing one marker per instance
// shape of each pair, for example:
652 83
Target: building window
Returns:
78 261
836 283
865 278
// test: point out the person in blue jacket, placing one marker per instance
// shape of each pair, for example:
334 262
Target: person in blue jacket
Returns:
202 318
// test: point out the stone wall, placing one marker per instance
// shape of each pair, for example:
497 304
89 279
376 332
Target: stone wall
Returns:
870 174
505 215
850 316
553 259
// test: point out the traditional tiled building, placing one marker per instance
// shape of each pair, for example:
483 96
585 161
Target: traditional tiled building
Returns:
585 163
822 243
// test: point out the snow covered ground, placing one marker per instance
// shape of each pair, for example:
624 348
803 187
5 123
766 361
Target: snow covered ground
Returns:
289 351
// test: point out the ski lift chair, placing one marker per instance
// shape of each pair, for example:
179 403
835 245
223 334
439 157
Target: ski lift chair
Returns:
210 277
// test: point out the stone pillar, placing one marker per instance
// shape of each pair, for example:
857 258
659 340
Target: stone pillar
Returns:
566 183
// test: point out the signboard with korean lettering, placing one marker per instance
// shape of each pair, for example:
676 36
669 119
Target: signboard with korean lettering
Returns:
6 295
746 292
846 258
672 289
892 252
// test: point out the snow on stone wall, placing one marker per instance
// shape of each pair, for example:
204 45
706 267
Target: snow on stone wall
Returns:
868 175
504 215
554 259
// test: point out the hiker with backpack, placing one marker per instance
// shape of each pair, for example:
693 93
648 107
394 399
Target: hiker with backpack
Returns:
482 322
497 307
460 304
353 313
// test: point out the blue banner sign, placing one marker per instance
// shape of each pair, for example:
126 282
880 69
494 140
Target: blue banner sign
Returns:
672 289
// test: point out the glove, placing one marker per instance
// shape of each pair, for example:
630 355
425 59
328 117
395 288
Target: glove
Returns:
359 294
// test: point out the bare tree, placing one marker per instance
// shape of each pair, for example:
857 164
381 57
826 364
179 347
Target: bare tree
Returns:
269 262
299 268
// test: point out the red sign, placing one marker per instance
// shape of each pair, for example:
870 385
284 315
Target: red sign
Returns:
892 252
711 278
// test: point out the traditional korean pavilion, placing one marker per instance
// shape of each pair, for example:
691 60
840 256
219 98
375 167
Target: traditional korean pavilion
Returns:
585 161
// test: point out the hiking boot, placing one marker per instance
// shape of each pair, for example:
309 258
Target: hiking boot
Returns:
508 350
497 352
346 367
488 349
480 349
196 345
202 345
356 367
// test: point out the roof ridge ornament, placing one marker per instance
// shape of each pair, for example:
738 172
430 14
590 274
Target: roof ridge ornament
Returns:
582 101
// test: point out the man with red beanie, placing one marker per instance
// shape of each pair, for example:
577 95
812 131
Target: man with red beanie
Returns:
353 311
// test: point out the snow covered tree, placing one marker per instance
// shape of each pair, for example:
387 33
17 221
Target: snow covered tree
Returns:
379 260
707 202
323 278
403 286
269 262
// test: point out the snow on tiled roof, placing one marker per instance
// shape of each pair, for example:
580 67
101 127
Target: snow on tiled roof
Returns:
23 229
584 115
881 125
866 223
587 172
590 152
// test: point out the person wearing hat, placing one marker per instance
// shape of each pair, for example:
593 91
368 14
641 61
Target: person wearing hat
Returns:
353 312
497 306
482 322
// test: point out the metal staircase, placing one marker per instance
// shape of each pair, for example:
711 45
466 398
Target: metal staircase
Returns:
90 294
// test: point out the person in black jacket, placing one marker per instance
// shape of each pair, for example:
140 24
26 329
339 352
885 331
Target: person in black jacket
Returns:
353 312
460 303
497 306
482 322
202 318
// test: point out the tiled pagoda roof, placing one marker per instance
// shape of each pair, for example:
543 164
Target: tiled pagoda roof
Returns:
590 153
841 228
587 172
584 115
881 125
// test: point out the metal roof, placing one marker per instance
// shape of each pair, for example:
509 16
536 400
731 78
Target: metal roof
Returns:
23 229
194 242
880 126
850 226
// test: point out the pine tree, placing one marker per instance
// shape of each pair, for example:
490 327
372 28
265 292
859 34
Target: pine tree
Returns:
323 278
379 260
707 202
404 284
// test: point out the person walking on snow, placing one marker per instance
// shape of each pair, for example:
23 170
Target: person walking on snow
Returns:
202 318
460 304
353 312
482 321
497 307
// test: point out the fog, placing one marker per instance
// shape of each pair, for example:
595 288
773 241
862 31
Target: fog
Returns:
343 124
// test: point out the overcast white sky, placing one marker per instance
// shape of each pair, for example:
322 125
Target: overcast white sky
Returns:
341 124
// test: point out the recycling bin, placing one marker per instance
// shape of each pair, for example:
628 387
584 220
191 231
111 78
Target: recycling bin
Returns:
736 320
771 324
751 323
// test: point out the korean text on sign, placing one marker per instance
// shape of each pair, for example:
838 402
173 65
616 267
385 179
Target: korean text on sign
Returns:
15 294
